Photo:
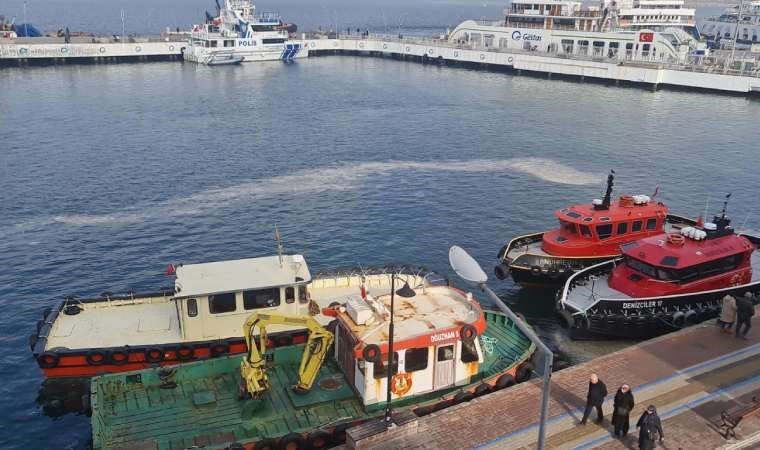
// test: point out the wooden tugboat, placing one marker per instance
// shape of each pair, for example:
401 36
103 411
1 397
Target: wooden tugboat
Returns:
663 283
588 234
446 350
200 317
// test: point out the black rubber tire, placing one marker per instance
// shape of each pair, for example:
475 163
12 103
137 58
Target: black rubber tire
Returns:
500 272
524 372
220 349
118 357
154 355
462 397
468 333
482 389
424 410
292 441
96 358
72 310
236 446
48 360
371 353
319 439
266 444
185 353
504 381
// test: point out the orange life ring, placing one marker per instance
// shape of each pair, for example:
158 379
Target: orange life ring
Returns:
676 239
401 383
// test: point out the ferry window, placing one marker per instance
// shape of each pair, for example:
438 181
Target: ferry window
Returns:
290 294
192 307
221 303
642 267
665 275
303 298
415 359
651 224
598 47
380 369
568 227
585 231
228 43
469 352
604 231
567 45
622 228
273 41
446 353
212 43
636 226
261 298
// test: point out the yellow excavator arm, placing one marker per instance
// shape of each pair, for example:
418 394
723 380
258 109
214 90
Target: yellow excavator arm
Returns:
253 367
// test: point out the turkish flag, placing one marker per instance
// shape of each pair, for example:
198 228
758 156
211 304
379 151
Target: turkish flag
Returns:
646 37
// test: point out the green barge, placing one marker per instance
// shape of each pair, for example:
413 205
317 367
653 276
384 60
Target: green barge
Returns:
447 350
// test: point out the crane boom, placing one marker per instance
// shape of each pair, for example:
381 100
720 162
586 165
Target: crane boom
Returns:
253 368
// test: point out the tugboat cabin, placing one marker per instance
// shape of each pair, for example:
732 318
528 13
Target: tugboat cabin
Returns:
435 343
696 259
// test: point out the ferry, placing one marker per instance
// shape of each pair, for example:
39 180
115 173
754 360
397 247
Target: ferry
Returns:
745 26
607 32
238 33
200 317
445 350
663 283
588 234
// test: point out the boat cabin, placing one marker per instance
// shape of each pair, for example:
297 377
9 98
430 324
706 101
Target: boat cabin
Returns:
599 228
695 259
435 343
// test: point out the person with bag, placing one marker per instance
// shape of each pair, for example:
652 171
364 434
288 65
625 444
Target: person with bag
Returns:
597 390
650 429
745 309
727 314
622 410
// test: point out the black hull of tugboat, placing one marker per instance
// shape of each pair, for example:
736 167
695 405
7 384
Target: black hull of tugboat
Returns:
650 317
548 271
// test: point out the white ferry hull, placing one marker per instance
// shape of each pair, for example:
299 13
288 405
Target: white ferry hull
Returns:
203 55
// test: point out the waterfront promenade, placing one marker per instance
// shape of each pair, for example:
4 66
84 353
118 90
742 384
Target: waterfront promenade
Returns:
691 376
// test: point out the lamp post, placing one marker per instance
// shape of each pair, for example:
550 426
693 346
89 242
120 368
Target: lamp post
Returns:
405 292
469 270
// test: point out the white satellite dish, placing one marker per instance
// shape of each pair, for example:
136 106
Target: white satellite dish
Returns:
465 266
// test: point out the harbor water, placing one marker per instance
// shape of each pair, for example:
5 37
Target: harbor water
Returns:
110 172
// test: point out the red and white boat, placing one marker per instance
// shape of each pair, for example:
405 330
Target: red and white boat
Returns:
663 283
588 234
201 317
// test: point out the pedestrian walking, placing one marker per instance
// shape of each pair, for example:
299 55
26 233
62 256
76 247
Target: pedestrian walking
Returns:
622 410
745 309
650 429
727 314
596 393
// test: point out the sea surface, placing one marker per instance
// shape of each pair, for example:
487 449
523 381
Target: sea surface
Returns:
110 172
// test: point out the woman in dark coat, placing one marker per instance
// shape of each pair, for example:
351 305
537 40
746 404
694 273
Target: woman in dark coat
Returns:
650 427
622 410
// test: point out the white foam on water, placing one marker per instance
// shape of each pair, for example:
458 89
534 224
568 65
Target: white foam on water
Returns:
338 178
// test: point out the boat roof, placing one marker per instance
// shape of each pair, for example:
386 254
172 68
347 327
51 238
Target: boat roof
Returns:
428 318
240 275
623 209
657 251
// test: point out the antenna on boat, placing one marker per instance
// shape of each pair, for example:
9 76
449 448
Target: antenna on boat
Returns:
278 240
725 205
707 205
608 195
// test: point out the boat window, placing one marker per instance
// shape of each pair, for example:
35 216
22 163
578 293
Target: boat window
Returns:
273 41
720 265
636 226
212 43
669 261
585 231
192 307
573 214
221 303
629 245
228 43
380 369
622 228
446 353
303 297
604 231
290 294
651 224
568 227
261 298
641 266
567 45
665 275
415 359
469 352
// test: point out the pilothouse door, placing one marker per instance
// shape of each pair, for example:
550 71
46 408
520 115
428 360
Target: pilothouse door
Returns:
444 367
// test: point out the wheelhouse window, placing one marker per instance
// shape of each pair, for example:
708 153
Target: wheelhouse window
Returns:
642 267
221 303
567 227
622 228
585 231
469 352
380 368
303 297
415 359
290 294
636 226
651 224
192 307
261 298
604 231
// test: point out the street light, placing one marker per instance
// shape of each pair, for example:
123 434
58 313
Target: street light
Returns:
469 270
405 292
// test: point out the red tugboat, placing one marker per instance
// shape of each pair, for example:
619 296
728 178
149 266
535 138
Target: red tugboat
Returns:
663 283
588 234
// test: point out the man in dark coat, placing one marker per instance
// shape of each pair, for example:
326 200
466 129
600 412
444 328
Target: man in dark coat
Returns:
596 393
745 309
622 410
650 429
